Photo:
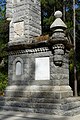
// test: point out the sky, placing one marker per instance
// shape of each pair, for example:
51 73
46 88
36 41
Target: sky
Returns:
2 3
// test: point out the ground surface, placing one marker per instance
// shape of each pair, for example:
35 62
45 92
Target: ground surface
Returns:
9 115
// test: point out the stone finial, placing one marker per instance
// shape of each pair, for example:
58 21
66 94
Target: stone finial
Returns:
58 39
58 23
58 14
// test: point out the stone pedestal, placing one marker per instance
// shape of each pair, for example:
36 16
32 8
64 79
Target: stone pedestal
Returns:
30 92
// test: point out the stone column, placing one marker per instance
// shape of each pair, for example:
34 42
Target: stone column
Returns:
25 20
60 46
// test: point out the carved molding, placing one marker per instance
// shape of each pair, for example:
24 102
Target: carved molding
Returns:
29 51
58 46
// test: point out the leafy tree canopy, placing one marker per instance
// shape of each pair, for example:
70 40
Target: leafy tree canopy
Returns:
3 44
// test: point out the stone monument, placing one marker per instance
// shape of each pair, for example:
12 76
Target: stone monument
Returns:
38 71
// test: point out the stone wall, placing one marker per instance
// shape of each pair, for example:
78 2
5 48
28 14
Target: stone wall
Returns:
58 75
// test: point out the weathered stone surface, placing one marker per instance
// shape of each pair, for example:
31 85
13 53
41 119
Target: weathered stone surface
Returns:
25 18
58 75
18 29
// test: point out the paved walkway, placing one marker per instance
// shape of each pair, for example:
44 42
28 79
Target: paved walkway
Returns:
9 115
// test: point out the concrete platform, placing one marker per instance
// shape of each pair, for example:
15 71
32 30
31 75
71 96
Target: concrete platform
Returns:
10 115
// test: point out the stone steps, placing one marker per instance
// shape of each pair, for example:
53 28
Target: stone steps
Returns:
72 112
39 99
32 105
34 100
33 110
38 94
66 106
38 91
2 103
42 99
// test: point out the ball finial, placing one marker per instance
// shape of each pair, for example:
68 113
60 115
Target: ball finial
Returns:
58 14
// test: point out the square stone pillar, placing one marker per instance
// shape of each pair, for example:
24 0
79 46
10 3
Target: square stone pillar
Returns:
25 19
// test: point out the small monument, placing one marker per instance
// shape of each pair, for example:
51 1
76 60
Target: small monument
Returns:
38 71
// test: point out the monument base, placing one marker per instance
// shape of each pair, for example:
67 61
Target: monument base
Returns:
50 100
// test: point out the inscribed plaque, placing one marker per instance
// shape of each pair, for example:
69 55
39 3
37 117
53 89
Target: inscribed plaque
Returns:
18 29
42 68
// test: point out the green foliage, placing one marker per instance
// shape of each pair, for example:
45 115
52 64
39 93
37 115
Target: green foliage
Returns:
2 12
47 15
3 81
71 57
4 36
48 9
